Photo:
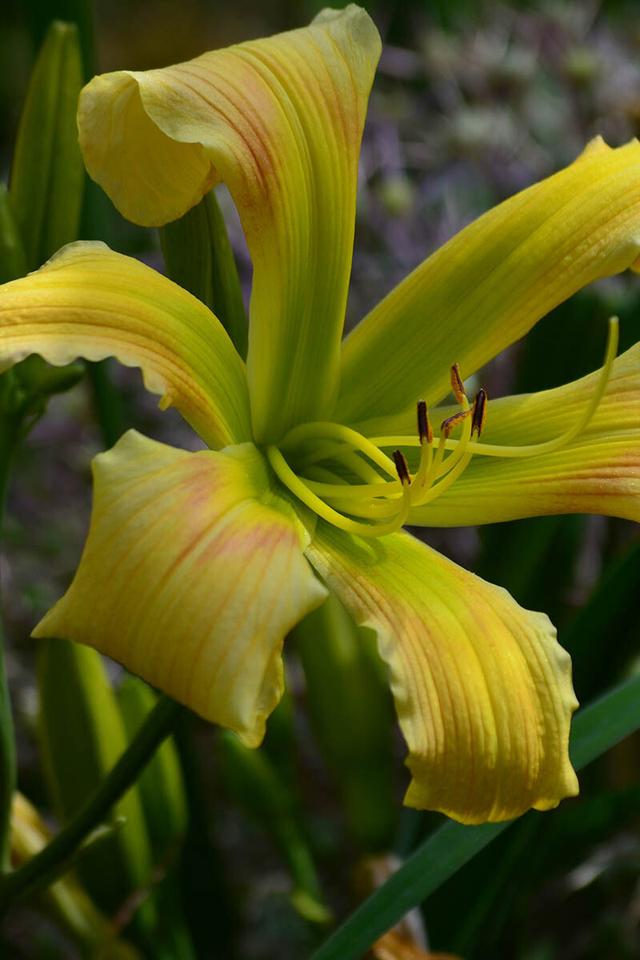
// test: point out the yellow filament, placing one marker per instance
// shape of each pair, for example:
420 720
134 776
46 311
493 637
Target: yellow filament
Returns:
456 468
437 461
306 496
355 491
426 459
437 467
371 510
357 506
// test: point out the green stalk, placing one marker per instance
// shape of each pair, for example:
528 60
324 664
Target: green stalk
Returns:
108 405
9 433
46 865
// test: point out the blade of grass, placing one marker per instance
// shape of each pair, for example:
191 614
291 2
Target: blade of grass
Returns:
596 729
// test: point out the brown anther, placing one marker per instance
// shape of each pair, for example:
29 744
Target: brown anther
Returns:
424 426
451 422
402 467
457 385
479 414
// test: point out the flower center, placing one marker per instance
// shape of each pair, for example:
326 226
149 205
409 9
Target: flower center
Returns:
350 481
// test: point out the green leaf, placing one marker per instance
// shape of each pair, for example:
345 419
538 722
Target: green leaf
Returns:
603 724
227 292
82 736
351 713
40 14
161 786
13 262
186 248
198 256
47 174
596 729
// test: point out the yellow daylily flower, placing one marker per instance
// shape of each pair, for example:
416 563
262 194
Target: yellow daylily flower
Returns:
198 564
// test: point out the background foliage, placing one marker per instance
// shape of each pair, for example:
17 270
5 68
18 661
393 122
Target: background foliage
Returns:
472 102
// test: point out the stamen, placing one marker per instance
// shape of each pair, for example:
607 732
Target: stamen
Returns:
424 426
437 465
450 478
339 453
451 468
306 496
532 449
358 505
402 467
457 386
582 422
447 426
479 414
425 435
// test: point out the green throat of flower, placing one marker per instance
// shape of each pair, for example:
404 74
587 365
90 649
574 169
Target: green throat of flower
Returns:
350 481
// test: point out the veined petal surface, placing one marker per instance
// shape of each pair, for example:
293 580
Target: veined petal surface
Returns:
191 576
598 472
482 688
279 121
88 301
490 284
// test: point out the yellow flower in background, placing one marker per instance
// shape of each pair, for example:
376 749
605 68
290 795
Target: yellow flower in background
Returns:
198 564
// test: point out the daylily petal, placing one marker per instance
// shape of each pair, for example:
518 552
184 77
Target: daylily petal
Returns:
279 121
482 688
90 302
491 283
598 472
191 576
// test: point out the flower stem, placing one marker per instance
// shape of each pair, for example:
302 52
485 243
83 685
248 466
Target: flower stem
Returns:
108 404
9 435
41 869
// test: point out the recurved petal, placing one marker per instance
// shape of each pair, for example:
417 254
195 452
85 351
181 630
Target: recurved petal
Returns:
191 576
279 121
598 472
491 283
88 301
482 688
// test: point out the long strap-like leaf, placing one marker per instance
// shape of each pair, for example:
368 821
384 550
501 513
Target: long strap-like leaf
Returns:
596 729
